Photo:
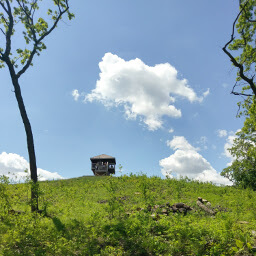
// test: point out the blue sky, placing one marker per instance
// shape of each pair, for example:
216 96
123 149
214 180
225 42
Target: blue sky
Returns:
125 63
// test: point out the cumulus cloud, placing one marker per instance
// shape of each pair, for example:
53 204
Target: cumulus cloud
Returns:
222 133
14 166
229 143
75 94
145 92
186 161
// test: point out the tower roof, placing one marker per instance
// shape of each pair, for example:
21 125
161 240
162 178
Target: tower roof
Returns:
103 157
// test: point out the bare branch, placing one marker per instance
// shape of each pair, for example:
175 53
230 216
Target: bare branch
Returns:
2 31
239 93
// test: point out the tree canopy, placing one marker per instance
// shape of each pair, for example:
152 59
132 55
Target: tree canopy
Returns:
242 171
243 44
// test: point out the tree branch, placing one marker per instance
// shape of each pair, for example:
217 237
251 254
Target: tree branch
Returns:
29 19
239 93
3 7
9 31
2 31
232 58
37 42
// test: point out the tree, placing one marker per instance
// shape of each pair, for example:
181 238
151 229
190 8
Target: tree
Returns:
244 45
23 16
243 169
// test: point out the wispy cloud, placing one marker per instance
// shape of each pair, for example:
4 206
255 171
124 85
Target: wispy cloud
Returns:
75 94
171 130
222 133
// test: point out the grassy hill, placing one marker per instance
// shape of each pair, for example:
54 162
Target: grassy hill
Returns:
128 215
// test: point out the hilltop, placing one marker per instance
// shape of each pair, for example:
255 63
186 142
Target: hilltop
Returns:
127 215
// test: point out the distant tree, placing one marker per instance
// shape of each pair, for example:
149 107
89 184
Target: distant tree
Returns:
243 169
243 42
22 17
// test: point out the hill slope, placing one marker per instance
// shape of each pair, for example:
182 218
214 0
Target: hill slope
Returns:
127 216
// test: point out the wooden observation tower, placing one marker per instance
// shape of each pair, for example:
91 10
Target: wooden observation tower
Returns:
103 165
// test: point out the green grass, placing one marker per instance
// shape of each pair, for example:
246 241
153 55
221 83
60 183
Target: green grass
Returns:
101 216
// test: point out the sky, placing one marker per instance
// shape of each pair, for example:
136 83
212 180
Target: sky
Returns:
143 81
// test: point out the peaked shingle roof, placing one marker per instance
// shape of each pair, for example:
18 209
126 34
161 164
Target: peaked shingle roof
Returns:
103 156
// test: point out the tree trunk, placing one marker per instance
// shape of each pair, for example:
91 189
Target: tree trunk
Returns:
30 140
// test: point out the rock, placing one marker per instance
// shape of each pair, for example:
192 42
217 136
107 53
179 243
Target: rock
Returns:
253 233
174 209
168 204
182 210
102 201
164 211
208 204
179 205
155 216
188 208
204 201
243 222
205 208
200 199
156 206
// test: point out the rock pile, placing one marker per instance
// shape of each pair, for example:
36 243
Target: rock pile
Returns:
205 205
165 209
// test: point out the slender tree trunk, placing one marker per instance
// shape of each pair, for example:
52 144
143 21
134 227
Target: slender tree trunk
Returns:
30 140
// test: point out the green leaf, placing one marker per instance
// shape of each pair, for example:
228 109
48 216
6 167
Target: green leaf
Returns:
239 244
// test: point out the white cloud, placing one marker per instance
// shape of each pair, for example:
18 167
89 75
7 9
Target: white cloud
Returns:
186 161
222 133
206 93
171 130
202 142
75 94
179 142
13 166
229 143
146 92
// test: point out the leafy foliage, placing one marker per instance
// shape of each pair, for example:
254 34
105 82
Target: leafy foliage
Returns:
245 45
21 17
243 169
108 216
